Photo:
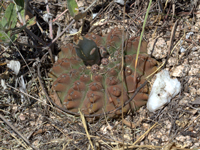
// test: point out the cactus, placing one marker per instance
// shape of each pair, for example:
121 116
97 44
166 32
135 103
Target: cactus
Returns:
99 88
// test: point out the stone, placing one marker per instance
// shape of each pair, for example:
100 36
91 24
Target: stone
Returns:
160 48
193 91
195 68
180 71
171 61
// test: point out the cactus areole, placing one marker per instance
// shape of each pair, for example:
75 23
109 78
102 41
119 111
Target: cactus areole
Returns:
88 76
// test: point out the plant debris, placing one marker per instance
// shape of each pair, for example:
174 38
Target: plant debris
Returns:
33 34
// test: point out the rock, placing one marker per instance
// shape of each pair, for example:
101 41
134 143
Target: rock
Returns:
193 91
195 68
159 48
198 91
171 61
168 124
181 138
80 3
198 12
164 138
180 71
163 90
184 101
146 126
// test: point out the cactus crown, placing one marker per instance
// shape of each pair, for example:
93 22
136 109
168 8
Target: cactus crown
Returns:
88 51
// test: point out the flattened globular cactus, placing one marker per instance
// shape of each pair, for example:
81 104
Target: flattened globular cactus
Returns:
100 90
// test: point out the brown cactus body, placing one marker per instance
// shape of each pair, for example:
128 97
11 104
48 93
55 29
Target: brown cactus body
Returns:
76 86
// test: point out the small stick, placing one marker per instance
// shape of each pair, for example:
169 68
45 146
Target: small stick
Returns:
171 42
49 21
61 33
